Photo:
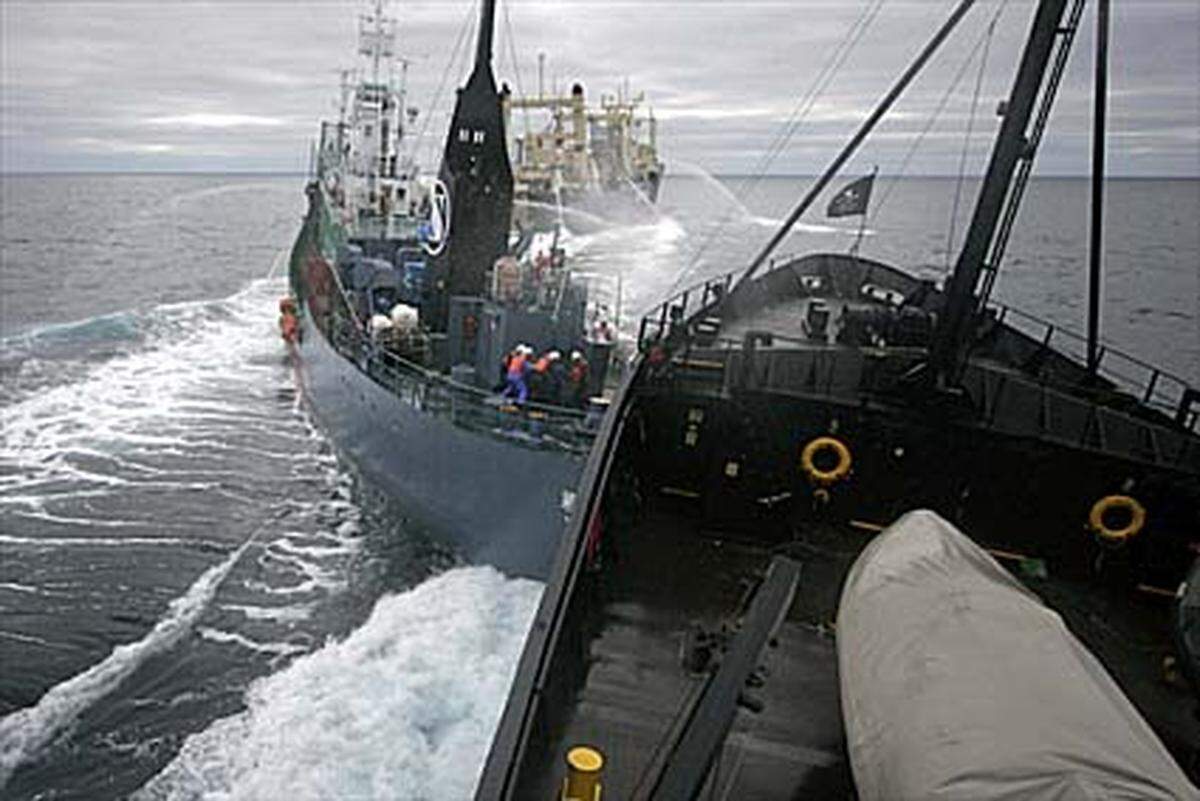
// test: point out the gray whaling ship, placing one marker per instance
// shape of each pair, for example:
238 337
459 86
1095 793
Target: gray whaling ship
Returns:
704 634
410 294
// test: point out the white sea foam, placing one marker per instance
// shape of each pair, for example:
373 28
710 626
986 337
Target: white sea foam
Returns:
15 587
104 542
289 613
25 732
404 707
233 638
171 397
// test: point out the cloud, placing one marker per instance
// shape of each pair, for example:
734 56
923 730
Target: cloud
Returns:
204 120
119 146
187 85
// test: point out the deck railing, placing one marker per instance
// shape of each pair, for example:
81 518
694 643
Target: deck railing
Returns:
532 424
1153 386
1004 396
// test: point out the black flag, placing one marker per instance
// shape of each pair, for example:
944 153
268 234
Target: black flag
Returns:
854 199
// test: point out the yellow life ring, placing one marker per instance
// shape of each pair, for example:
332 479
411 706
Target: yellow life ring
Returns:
1110 503
825 476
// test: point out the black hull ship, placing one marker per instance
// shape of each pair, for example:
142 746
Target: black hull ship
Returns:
747 604
410 300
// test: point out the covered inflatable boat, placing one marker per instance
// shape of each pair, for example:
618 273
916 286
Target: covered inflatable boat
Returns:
959 683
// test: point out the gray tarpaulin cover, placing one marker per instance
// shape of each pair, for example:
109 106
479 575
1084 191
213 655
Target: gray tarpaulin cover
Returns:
958 683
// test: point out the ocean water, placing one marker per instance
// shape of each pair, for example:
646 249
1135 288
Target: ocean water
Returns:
200 599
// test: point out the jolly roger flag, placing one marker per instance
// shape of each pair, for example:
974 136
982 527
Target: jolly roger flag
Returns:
854 199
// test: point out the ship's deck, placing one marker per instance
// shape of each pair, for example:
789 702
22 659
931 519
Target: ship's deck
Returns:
636 688
668 576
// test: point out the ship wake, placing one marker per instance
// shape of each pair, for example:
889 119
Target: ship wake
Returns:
25 733
404 707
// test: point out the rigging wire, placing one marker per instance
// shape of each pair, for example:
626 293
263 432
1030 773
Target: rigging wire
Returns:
962 161
464 27
512 51
958 77
795 121
516 67
804 107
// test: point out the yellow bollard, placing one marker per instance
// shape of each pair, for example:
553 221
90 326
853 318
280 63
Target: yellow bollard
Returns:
583 774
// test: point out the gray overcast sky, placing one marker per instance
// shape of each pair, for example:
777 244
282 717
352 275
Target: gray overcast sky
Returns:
241 85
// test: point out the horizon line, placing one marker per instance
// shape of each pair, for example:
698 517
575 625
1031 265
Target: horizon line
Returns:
295 173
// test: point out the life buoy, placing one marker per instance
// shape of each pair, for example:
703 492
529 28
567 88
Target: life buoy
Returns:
1116 503
825 476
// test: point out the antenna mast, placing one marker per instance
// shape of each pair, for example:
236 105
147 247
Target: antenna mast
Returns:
1097 232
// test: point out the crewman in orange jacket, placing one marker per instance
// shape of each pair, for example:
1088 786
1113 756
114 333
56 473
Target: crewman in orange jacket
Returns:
518 369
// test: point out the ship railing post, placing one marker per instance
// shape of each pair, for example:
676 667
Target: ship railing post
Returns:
1150 385
996 396
1184 411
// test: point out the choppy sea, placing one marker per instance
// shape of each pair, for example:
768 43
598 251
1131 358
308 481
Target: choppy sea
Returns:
199 598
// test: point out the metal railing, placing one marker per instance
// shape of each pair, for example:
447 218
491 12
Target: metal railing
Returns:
531 424
1152 386
1004 396
675 311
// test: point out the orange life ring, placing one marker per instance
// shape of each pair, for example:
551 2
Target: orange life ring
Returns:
826 476
1110 503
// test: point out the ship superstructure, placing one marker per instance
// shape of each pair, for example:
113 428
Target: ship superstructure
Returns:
363 158
570 153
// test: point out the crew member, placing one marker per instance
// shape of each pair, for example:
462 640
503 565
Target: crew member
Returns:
539 378
577 380
518 370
